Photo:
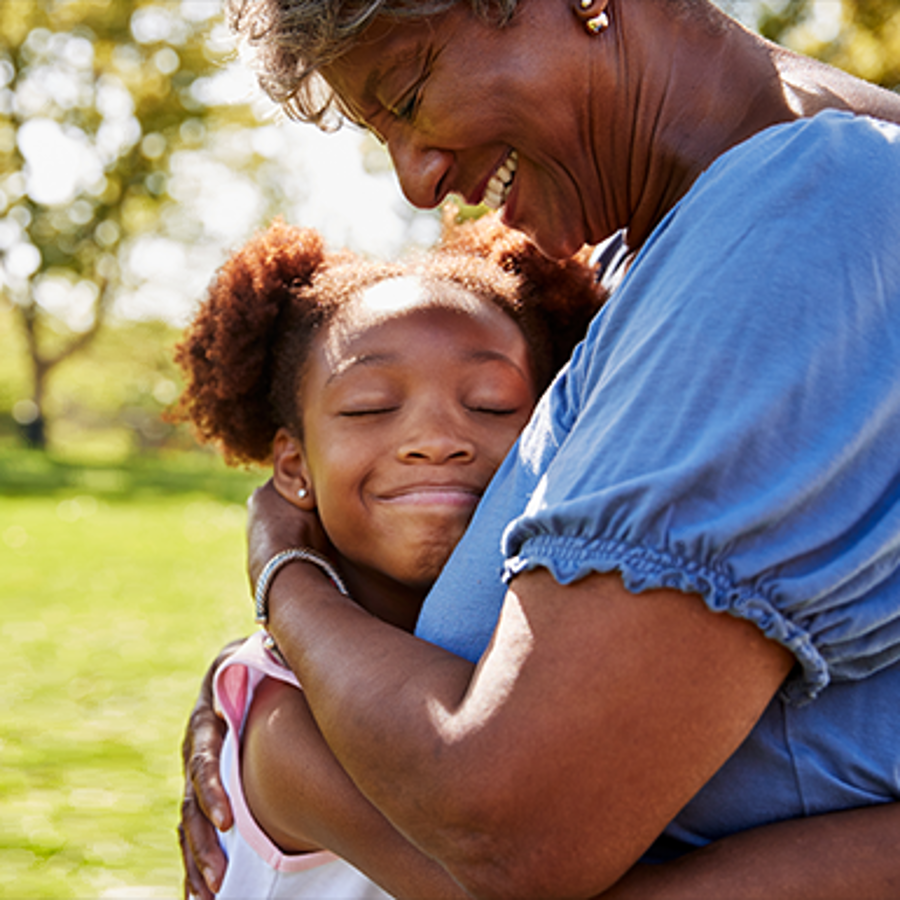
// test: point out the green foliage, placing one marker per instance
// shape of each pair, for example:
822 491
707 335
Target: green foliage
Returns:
863 39
105 403
119 585
97 99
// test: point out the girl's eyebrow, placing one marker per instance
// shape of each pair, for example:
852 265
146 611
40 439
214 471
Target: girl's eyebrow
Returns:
375 359
363 359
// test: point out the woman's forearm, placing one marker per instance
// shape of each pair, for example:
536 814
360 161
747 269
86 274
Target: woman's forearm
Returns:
354 668
521 775
835 856
827 857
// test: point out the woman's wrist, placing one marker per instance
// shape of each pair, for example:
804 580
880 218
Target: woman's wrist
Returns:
277 562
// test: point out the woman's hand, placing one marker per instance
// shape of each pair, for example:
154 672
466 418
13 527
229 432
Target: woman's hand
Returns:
205 801
274 524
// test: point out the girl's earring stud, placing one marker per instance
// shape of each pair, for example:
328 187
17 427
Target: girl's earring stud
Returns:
303 493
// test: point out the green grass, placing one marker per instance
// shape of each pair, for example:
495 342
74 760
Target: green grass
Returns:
118 585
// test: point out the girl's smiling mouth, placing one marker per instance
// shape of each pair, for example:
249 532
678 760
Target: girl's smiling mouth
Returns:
455 495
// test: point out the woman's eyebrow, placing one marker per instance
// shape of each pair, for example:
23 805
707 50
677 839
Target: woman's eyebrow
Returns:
389 66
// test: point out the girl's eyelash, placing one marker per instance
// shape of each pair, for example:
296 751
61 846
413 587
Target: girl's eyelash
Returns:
506 411
352 413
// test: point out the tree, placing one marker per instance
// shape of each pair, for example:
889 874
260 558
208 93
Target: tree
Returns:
860 36
97 99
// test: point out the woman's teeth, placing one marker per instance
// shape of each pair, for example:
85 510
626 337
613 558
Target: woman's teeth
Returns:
498 187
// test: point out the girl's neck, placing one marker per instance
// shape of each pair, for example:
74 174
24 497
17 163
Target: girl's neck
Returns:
385 597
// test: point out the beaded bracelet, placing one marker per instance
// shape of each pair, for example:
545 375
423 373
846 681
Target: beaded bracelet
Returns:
274 566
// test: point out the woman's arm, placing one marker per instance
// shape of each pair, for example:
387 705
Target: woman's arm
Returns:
548 770
829 857
636 701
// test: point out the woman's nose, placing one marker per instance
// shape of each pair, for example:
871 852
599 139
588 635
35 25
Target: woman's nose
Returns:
421 170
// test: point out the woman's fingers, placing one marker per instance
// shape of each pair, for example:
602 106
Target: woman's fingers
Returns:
194 885
202 751
205 803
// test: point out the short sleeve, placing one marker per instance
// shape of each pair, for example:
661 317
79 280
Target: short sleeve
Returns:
738 413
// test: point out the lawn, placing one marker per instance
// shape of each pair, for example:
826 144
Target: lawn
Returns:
118 585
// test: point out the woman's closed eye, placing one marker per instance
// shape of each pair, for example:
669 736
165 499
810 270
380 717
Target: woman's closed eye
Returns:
405 109
407 105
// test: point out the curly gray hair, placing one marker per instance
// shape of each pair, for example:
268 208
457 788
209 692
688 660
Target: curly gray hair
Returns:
290 40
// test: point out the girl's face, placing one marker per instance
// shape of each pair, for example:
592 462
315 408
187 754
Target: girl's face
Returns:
411 398
466 107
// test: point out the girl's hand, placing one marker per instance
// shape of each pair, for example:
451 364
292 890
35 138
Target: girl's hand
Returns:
205 800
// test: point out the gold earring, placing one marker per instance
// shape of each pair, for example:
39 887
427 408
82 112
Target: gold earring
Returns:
598 23
594 24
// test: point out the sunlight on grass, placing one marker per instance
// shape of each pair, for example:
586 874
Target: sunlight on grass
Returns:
113 605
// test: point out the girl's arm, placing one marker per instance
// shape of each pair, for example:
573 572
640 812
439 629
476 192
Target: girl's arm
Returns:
302 798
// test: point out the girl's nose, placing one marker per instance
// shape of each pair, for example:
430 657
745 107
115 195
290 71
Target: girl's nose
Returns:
421 170
434 438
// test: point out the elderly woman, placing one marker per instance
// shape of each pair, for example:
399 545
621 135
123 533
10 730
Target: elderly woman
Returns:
675 615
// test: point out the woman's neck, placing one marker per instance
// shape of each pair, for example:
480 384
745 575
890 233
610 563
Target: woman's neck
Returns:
691 86
707 84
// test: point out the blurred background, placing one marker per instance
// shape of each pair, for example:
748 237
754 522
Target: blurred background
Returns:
135 153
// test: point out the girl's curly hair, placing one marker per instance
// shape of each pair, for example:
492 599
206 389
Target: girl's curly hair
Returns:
245 353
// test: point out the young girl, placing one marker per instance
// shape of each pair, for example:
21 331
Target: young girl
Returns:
385 397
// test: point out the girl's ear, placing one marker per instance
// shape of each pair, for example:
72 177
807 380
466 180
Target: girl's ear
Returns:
291 475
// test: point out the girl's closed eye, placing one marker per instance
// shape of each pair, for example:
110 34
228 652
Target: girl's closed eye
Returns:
495 410
499 391
360 403
373 410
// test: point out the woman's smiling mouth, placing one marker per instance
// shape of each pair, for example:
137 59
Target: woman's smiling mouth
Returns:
500 183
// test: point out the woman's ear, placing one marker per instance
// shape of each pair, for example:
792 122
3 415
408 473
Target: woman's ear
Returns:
291 475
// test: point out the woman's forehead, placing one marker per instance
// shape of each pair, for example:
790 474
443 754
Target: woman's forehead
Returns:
384 47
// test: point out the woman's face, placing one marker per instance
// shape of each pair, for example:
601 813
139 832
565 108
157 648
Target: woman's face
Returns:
460 103
411 399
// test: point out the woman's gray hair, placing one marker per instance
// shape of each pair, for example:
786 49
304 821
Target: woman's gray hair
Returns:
290 40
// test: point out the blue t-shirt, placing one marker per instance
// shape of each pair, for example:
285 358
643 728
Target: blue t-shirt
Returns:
731 427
